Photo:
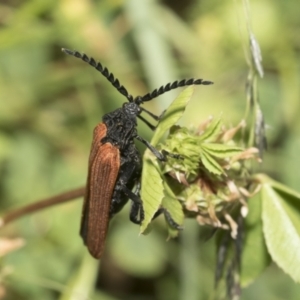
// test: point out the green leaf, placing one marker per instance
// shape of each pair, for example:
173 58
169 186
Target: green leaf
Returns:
286 192
220 150
255 256
291 198
173 206
188 149
172 114
279 187
211 164
152 191
211 131
280 232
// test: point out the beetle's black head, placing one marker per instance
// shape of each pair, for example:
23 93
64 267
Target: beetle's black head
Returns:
132 109
138 100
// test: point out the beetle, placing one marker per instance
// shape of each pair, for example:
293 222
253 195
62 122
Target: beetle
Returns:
115 163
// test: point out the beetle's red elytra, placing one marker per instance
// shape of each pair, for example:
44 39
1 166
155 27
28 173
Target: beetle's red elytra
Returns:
104 165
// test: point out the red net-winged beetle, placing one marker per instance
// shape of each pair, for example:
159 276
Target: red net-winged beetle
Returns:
115 163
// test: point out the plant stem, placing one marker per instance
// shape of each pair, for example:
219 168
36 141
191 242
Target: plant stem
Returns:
15 214
190 272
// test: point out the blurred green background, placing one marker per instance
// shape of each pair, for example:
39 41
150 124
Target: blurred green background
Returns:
50 103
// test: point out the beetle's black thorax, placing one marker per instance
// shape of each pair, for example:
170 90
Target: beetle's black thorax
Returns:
121 125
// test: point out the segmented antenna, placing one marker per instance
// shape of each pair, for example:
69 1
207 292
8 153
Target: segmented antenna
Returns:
103 70
171 86
115 82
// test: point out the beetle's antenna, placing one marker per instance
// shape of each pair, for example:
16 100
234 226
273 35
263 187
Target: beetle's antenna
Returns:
170 86
103 70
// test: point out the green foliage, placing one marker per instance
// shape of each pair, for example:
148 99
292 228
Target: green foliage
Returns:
281 225
254 262
214 185
49 105
153 192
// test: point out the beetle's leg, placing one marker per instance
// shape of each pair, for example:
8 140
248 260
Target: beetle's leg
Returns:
159 155
162 156
168 217
129 174
167 153
161 115
137 211
136 208
152 127
121 194
155 117
171 221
